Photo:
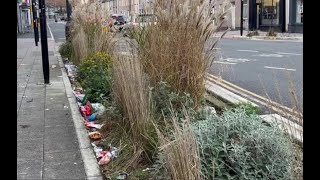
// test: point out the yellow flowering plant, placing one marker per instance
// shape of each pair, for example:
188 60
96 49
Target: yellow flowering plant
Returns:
94 75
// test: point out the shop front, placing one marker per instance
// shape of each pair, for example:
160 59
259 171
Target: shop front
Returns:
266 14
296 16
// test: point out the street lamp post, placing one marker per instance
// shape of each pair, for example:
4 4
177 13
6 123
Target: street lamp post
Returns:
44 42
68 7
68 24
35 23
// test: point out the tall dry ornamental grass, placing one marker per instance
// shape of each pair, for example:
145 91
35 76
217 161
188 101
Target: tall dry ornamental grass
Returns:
132 96
87 33
180 150
173 49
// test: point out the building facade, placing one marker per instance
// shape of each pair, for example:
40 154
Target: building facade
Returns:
282 15
128 8
295 16
233 17
23 16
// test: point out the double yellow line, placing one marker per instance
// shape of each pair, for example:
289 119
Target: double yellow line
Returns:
290 113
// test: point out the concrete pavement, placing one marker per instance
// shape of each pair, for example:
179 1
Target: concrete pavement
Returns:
235 34
47 144
31 34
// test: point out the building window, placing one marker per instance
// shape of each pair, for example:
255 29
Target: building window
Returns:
245 9
270 12
299 11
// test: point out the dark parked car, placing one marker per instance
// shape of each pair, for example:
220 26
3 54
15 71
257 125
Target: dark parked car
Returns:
119 19
63 18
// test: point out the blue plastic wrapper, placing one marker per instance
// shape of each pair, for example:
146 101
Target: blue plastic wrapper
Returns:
92 118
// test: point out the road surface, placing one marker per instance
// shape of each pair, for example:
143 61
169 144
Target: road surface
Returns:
266 68
57 29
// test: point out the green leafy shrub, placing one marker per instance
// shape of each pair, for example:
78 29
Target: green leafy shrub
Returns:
66 50
253 33
271 33
165 99
94 75
249 108
239 146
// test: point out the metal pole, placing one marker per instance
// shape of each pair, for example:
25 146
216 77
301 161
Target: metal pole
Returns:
35 24
19 19
67 26
241 19
44 42
68 5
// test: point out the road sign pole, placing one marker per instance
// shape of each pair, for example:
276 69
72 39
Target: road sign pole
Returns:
44 42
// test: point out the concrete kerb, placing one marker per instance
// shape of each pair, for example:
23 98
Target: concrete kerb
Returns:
225 94
91 166
266 38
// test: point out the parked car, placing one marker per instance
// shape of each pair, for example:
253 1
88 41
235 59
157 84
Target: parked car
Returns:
119 19
63 18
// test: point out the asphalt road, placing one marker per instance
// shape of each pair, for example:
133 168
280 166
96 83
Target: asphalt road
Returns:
57 29
266 68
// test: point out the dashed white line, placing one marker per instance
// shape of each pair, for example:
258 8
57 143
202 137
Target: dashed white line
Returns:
295 54
244 50
269 67
270 55
236 60
222 62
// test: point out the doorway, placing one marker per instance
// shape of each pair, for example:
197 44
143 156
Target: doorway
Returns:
259 15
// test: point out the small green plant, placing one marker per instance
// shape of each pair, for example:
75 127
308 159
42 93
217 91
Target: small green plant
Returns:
239 146
253 33
66 50
165 99
272 33
94 75
249 108
139 174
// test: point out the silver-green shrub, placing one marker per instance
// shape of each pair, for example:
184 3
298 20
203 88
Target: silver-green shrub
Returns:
238 146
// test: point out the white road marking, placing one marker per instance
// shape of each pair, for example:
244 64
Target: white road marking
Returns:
237 60
222 62
278 40
216 48
52 38
295 54
269 55
269 67
243 50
